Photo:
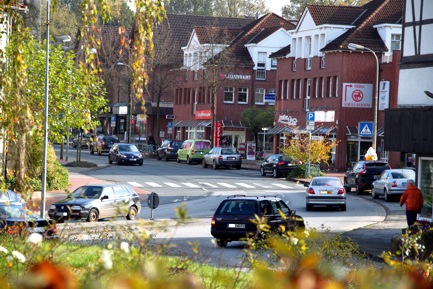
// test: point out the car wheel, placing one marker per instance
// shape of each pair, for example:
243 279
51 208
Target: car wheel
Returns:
109 160
275 173
118 160
93 216
166 158
309 207
238 167
91 151
188 160
373 194
214 165
140 163
262 171
343 208
204 164
158 157
386 196
222 243
177 159
132 214
359 191
347 188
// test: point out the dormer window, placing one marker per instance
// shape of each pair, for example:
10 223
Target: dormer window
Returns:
294 64
395 42
261 60
273 63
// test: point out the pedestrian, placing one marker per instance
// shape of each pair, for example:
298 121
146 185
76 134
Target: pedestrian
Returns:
414 201
151 143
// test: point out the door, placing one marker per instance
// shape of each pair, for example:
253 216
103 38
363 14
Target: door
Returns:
107 207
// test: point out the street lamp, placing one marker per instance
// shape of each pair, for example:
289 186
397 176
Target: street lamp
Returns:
353 46
129 124
265 129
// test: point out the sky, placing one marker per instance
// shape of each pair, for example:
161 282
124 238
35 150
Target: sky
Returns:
275 5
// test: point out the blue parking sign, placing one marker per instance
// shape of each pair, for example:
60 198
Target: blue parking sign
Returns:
310 116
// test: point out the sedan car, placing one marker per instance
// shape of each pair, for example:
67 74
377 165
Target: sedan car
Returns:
122 153
233 219
277 165
14 219
325 191
84 138
97 201
11 198
222 157
168 149
103 144
391 183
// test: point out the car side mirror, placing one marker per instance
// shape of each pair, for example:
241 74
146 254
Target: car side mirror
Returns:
104 198
293 212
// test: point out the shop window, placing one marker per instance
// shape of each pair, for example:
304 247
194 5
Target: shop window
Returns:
229 95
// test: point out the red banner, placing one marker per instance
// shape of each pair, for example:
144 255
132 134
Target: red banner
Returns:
218 133
203 114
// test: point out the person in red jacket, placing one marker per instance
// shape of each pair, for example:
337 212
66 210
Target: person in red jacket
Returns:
414 201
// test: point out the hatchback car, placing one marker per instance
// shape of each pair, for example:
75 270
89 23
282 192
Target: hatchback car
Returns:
277 165
222 157
121 153
84 138
94 202
11 198
233 219
14 219
325 191
102 144
363 174
193 150
392 183
168 149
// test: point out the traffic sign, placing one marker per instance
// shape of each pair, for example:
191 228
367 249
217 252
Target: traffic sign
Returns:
310 116
365 128
310 127
317 137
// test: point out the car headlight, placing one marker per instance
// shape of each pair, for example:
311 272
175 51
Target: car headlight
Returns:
76 208
52 207
122 156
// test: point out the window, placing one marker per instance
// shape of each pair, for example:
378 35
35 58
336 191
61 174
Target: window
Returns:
195 75
287 89
322 92
228 95
261 74
294 64
308 64
308 47
308 88
300 88
395 42
294 88
261 60
322 62
260 96
243 95
273 63
336 86
330 86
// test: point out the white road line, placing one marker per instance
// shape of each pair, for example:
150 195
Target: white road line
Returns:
209 185
154 185
191 185
245 185
227 185
173 185
282 186
262 186
135 184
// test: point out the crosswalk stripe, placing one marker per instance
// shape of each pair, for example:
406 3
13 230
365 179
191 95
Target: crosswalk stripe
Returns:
191 185
154 185
135 184
245 185
173 185
209 185
282 186
227 185
262 186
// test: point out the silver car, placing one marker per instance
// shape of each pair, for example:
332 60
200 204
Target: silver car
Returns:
391 183
325 191
222 157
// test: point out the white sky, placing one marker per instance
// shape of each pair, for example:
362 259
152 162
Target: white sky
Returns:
275 5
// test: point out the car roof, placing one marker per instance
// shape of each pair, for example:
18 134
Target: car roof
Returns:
244 197
325 177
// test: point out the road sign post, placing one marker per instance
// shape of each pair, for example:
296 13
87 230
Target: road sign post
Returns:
153 203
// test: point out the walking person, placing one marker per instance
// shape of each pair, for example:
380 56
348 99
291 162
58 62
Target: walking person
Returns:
151 143
414 201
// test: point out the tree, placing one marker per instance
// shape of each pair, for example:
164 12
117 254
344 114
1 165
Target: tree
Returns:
295 9
196 7
255 119
239 8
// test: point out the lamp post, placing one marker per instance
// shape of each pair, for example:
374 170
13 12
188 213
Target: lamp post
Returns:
353 46
129 124
265 129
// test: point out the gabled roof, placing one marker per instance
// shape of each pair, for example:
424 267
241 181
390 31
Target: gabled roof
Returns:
282 53
216 35
262 34
373 13
339 15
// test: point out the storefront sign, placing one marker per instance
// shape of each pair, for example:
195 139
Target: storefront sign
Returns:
251 151
218 132
236 76
325 116
357 95
203 114
288 120
270 98
384 95
233 129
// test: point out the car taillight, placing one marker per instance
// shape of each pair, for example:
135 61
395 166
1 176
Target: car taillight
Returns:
281 163
311 191
192 152
363 171
102 142
394 184
341 191
212 223
220 158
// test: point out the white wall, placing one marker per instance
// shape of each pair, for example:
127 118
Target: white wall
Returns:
412 84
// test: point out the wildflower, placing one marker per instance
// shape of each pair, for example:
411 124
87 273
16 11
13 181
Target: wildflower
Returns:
124 246
35 239
19 256
294 241
4 250
106 259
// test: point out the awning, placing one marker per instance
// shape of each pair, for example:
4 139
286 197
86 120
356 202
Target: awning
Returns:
324 130
231 123
192 123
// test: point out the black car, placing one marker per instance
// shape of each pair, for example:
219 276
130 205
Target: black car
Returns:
363 174
168 149
122 153
232 220
102 144
277 165
97 201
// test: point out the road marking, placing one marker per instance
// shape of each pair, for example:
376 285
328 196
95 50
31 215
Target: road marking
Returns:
191 185
209 185
262 186
245 185
173 185
227 185
154 185
135 184
282 186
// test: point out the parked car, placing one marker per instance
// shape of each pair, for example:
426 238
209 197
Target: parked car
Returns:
325 191
98 201
9 197
363 174
102 144
391 183
122 153
85 140
277 165
193 150
168 149
232 221
15 219
222 157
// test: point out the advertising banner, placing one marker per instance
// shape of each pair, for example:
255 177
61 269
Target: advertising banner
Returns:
218 132
251 151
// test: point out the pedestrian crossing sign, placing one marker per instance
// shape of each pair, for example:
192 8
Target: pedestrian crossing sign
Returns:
365 128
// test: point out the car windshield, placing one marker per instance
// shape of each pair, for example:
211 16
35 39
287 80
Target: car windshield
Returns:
176 144
128 148
285 159
202 145
238 207
229 151
16 212
403 175
111 138
87 192
376 165
326 182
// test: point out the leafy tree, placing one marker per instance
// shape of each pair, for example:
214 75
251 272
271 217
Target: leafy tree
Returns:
196 7
295 8
255 119
239 8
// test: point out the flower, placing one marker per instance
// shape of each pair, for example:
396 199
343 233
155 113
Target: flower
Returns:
106 259
124 246
4 250
35 239
294 241
19 256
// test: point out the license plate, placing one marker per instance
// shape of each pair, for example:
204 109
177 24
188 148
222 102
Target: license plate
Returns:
231 158
236 226
326 192
132 159
403 184
61 214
